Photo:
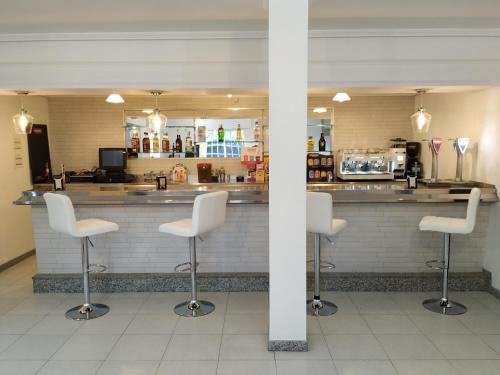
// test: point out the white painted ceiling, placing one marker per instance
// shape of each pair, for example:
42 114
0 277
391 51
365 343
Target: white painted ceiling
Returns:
47 16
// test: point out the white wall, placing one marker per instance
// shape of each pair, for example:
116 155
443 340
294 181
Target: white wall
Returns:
475 115
16 234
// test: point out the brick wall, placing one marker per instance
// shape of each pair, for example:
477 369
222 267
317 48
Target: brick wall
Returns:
379 238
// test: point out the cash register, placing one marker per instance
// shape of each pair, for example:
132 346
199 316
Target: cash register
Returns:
112 166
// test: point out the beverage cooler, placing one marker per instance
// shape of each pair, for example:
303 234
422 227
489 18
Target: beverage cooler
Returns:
320 166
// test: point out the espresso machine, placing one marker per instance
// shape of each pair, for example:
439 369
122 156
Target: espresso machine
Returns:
413 163
460 145
435 145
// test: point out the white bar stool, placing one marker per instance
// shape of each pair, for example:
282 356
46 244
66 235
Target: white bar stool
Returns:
449 226
62 219
320 221
209 212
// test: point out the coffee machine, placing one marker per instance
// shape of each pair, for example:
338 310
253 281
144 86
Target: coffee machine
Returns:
413 151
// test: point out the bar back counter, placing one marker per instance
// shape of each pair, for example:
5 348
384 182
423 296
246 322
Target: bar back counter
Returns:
381 249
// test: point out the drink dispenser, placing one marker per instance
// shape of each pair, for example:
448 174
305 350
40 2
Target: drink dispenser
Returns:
461 145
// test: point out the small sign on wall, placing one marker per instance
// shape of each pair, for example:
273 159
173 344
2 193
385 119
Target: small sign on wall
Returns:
18 151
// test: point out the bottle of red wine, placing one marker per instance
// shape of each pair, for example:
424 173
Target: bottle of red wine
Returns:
322 143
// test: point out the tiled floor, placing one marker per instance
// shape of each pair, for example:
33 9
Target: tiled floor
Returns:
373 333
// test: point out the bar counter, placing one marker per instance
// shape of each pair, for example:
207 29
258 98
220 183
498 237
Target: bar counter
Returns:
382 237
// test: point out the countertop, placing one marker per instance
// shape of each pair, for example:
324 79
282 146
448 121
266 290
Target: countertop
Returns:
252 193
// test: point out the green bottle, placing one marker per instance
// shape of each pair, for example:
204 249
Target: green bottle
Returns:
220 133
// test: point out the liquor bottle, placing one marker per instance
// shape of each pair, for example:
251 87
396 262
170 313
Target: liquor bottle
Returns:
238 134
322 143
310 144
165 143
189 143
178 143
135 141
220 133
156 143
256 131
146 145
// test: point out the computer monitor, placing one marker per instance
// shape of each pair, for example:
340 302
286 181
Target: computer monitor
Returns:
113 159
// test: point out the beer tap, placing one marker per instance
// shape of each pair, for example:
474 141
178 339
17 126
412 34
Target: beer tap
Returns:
460 145
434 145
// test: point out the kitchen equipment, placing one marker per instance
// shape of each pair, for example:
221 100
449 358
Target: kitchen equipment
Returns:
398 143
39 154
204 172
460 145
398 162
435 146
364 164
161 182
413 164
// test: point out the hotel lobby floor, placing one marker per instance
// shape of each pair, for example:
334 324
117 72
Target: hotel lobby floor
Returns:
373 333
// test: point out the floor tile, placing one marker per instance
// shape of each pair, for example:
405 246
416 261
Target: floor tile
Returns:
87 347
207 324
254 367
409 347
427 367
410 303
245 347
355 347
128 368
193 347
343 324
463 347
341 299
55 325
219 299
20 367
313 327
33 347
493 341
69 367
317 350
7 340
481 324
362 367
139 348
152 324
17 324
187 368
436 323
37 304
390 324
248 303
107 324
375 303
124 306
162 303
305 367
246 324
475 367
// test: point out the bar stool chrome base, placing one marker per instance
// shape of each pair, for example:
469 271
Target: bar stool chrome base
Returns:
83 312
194 308
439 306
317 307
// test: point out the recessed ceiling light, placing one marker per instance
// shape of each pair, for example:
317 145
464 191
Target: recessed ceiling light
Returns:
320 110
229 96
341 97
115 99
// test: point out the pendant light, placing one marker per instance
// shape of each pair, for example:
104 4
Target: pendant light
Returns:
421 120
23 122
156 119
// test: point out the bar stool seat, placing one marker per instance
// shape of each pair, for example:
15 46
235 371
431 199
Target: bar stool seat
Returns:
62 219
320 222
449 226
209 213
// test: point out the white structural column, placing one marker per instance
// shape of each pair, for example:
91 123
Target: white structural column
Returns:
288 58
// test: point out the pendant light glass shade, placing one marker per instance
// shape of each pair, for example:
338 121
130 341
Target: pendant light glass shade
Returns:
421 120
341 97
157 120
23 122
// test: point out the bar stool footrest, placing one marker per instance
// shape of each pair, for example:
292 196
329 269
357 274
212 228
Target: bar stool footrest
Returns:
187 269
97 268
323 265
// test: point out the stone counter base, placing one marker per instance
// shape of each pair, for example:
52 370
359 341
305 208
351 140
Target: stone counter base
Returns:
259 282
